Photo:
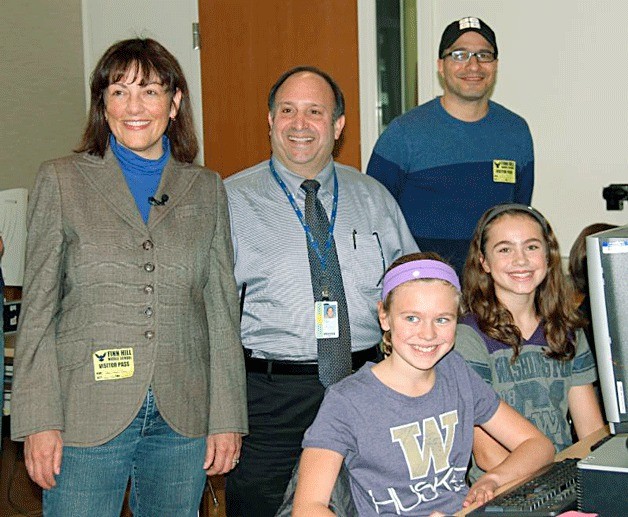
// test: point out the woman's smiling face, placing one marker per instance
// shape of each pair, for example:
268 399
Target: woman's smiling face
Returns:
138 110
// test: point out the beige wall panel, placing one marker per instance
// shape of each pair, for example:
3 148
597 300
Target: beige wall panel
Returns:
42 106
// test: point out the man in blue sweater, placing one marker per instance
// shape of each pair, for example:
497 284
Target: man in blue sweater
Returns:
450 159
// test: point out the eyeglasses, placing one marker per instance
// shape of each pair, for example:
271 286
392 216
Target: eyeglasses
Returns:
464 56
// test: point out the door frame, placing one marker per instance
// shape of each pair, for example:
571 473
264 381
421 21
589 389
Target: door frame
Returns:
427 81
367 60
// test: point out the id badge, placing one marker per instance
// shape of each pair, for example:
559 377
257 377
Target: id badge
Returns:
326 313
504 171
113 363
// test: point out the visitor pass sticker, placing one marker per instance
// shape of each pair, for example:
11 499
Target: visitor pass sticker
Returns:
112 364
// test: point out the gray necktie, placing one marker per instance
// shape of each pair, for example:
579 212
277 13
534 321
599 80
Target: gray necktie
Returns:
334 354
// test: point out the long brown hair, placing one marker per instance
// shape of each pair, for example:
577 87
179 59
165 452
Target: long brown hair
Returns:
145 58
552 299
578 256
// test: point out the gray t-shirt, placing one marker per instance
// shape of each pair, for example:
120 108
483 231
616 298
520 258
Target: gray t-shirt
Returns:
535 385
405 455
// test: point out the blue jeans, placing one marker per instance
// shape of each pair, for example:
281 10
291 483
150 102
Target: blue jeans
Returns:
165 468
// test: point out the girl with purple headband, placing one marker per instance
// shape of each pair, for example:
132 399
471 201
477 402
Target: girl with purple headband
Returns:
404 427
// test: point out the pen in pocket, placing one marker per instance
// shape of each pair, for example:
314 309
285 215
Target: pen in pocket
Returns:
381 254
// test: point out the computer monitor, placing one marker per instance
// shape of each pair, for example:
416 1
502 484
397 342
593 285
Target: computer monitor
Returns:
13 230
607 264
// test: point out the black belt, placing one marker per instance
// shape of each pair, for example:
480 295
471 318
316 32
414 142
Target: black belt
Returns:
256 365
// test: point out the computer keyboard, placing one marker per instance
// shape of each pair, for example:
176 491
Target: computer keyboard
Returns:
549 493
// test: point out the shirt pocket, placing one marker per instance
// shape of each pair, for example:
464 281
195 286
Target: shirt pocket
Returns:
368 263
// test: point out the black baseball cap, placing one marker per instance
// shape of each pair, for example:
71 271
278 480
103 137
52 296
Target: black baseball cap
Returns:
456 29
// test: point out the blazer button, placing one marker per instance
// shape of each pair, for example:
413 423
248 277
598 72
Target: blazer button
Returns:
150 267
148 245
148 311
149 334
148 289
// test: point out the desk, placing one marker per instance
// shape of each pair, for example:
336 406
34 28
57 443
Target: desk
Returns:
9 345
579 449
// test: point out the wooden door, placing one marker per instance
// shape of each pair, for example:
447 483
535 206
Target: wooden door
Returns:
245 46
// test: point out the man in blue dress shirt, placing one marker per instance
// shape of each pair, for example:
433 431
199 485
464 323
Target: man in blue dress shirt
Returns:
272 269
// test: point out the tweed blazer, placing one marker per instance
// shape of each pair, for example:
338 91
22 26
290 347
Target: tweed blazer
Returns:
98 278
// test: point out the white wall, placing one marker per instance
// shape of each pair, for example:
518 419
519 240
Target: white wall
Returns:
42 106
563 67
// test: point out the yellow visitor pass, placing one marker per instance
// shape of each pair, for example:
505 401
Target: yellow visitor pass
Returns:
113 363
504 171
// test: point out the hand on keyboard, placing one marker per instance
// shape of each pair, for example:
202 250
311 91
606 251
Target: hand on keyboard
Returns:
551 492
483 490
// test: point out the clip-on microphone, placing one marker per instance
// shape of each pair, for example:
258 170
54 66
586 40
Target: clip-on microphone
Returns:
156 202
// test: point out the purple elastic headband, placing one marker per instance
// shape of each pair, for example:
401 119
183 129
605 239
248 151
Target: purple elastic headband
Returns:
419 269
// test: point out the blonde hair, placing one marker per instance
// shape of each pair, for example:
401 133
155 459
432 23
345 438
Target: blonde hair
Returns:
386 344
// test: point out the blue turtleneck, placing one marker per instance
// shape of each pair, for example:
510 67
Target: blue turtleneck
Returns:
141 174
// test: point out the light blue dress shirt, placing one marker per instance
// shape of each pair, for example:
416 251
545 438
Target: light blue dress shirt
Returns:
271 256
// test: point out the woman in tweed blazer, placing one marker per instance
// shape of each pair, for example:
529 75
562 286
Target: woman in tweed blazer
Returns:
128 360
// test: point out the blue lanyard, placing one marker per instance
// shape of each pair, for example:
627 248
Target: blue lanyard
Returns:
306 227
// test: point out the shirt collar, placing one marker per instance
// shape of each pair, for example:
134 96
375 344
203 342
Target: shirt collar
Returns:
293 181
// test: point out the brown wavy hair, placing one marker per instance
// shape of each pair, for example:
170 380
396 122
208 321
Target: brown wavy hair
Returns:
578 256
552 299
145 58
427 255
